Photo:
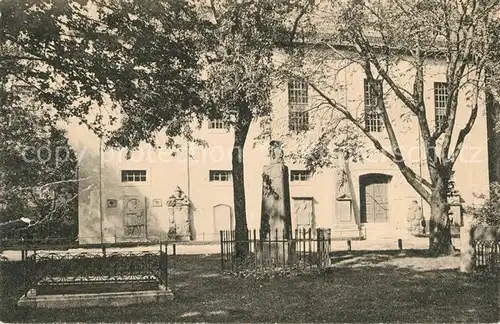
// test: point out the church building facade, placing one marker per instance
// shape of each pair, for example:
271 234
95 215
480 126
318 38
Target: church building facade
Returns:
154 195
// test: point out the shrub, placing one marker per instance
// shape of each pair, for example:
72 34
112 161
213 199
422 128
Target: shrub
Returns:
489 212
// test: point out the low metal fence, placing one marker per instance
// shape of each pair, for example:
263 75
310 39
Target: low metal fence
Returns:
65 243
53 272
305 249
487 256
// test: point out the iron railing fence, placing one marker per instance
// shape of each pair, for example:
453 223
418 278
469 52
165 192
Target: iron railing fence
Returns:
304 249
56 271
65 243
487 256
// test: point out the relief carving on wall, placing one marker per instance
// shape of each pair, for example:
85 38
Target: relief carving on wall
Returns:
134 217
178 198
303 212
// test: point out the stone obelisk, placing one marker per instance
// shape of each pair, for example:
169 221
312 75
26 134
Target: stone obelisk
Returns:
276 220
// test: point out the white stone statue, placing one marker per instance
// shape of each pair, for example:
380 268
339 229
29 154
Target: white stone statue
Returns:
276 152
342 182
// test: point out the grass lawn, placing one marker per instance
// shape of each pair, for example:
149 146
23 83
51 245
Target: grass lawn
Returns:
361 287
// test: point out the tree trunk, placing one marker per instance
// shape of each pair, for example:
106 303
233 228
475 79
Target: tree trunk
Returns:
240 215
439 225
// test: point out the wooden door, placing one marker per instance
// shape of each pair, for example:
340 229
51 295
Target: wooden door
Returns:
374 199
222 219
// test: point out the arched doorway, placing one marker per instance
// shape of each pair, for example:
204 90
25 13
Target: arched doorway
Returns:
223 218
374 196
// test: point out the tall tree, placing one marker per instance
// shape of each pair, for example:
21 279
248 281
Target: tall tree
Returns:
137 59
243 73
233 42
382 34
38 173
135 56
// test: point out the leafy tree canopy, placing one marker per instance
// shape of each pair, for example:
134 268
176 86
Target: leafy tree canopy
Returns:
38 171
137 59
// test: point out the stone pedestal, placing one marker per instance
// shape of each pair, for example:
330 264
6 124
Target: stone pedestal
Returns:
344 221
275 208
456 209
178 211
324 247
344 211
466 250
469 236
276 219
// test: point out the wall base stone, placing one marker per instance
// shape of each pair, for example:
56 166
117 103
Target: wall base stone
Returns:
115 299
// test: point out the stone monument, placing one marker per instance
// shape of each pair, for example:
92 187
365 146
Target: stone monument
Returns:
414 218
455 202
345 225
276 219
178 211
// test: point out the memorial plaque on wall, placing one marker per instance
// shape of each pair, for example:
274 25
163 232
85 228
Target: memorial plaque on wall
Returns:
344 210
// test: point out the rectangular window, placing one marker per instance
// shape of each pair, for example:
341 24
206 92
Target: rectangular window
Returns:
373 107
440 99
220 175
300 175
216 124
298 116
133 175
297 92
298 120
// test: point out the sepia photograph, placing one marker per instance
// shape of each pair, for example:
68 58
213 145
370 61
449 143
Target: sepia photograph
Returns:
249 161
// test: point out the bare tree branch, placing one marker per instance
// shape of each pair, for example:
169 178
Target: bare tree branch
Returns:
463 133
297 20
366 50
214 12
50 184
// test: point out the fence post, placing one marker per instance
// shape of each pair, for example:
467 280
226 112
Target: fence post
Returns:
166 265
276 247
303 248
400 244
284 241
221 234
255 251
323 247
310 253
160 260
466 249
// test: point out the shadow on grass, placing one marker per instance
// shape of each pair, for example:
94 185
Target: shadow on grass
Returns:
381 293
416 259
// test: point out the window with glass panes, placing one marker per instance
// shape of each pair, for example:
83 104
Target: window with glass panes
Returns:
440 99
133 175
220 175
300 175
216 124
298 115
373 114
